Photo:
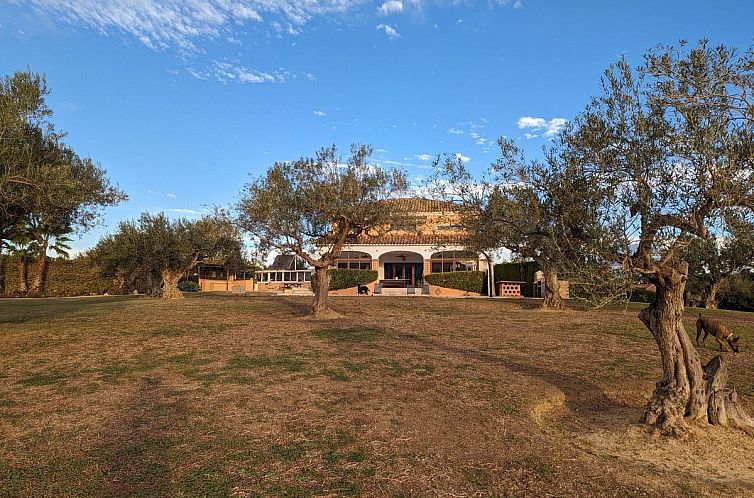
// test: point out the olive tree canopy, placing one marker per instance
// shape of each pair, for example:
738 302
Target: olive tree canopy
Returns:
313 206
671 147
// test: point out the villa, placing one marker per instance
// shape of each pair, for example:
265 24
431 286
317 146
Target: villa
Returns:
426 240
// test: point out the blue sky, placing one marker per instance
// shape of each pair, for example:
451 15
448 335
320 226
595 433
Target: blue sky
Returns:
182 100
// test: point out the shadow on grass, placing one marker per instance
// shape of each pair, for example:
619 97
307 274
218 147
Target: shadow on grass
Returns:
585 399
43 309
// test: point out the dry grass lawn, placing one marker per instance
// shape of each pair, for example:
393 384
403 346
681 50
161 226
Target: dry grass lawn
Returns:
219 395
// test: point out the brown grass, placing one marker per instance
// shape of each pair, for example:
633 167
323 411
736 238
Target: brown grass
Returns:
219 395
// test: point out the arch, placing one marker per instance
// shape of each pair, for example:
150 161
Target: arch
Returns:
405 267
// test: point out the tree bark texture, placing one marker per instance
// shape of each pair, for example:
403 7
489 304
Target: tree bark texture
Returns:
710 301
170 280
321 288
689 393
552 298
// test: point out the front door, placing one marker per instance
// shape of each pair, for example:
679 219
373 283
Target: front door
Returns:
409 272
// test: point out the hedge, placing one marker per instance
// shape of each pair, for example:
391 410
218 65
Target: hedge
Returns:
469 281
65 277
342 278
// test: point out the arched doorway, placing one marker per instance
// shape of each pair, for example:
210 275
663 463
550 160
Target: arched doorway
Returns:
401 269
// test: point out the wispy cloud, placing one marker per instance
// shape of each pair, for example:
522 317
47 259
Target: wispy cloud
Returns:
455 131
541 126
424 157
227 72
462 157
160 24
390 7
190 212
171 195
389 31
320 113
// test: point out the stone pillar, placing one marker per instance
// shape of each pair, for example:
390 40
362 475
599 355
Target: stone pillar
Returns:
427 267
375 264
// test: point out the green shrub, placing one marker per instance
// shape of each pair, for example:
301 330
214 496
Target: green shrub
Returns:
469 281
738 292
189 286
342 278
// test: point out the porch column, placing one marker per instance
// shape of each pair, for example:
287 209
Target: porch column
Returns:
375 264
427 267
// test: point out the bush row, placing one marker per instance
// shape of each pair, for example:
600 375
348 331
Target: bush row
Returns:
342 278
65 277
469 281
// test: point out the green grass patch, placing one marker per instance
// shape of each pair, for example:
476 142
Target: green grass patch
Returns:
44 379
245 362
353 367
207 482
353 334
338 375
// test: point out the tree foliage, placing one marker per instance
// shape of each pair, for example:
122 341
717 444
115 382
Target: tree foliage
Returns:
313 206
161 251
47 191
667 150
712 262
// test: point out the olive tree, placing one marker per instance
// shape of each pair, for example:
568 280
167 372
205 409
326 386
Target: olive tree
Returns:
313 206
712 262
671 145
537 210
162 251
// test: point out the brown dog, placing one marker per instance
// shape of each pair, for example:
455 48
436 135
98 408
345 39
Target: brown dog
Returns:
717 330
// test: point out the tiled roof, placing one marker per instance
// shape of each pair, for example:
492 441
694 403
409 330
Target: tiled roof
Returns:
421 205
409 239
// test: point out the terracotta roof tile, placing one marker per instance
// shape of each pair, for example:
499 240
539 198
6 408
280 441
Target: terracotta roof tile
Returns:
409 239
421 205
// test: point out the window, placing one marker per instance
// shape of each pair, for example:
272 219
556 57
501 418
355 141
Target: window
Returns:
354 260
449 261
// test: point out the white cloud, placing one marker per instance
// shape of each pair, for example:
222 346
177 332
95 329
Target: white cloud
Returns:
541 126
171 195
192 212
160 24
390 7
226 72
320 113
455 131
424 157
389 31
478 139
462 157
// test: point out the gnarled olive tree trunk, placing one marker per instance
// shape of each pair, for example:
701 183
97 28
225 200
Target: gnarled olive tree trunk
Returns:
688 393
153 284
321 287
710 300
552 298
170 280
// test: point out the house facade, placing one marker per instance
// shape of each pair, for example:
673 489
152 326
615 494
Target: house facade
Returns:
426 239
